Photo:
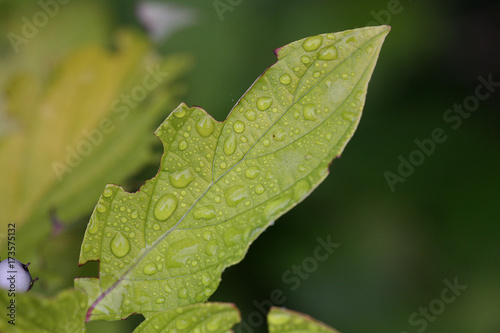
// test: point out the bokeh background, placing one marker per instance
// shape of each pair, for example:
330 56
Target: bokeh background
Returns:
397 247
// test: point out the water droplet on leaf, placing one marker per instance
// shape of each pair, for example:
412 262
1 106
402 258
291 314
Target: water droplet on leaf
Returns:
179 113
232 236
107 192
349 116
264 103
230 144
150 269
239 126
312 43
252 172
205 126
279 135
207 212
285 79
93 225
250 115
301 188
259 189
181 178
310 112
120 245
329 53
235 194
165 207
183 145
275 207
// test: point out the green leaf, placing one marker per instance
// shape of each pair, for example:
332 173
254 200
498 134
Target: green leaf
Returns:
37 314
281 320
222 184
207 317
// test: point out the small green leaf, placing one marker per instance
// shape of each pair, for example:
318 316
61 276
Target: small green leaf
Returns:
282 320
38 314
207 317
222 184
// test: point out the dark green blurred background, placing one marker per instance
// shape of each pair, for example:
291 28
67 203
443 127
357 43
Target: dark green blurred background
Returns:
397 247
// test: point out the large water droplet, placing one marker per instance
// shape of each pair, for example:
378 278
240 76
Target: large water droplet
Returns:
87 248
351 40
264 103
275 207
150 269
93 225
235 194
207 212
259 189
207 235
250 115
279 135
183 145
285 79
329 53
305 59
179 113
252 172
205 126
230 144
239 126
120 245
165 207
310 112
301 189
312 43
101 208
107 192
181 178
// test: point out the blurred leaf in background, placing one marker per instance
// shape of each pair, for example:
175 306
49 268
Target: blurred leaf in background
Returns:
82 123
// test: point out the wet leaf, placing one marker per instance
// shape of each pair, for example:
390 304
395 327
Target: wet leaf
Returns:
84 126
222 184
281 320
207 317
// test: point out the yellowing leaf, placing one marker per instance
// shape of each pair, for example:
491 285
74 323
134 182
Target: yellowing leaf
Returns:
78 130
221 184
